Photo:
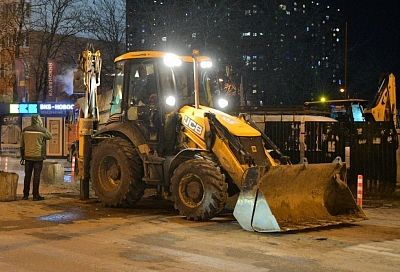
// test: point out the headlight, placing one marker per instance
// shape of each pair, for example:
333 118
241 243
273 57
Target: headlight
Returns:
170 100
172 60
222 103
206 64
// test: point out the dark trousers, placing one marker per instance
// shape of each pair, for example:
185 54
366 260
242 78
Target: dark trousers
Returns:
36 168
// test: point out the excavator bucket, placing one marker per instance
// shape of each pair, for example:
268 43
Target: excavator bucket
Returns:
295 197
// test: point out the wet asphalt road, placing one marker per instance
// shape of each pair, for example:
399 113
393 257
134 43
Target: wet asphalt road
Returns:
63 233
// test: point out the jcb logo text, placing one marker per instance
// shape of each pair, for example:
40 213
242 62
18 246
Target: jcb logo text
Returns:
192 125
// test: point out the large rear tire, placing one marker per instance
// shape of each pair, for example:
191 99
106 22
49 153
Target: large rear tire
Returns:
199 189
116 172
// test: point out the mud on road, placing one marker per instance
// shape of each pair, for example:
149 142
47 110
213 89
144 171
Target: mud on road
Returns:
63 233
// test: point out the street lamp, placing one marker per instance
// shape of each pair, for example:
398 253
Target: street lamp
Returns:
342 90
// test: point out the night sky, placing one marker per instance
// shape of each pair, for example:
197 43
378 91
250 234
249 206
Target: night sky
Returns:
373 43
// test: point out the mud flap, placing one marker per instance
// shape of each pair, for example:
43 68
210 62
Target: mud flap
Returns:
252 211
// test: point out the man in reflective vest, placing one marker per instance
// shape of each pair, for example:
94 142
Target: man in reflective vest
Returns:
33 151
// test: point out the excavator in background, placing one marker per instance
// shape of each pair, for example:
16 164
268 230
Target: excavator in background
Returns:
382 109
164 133
384 105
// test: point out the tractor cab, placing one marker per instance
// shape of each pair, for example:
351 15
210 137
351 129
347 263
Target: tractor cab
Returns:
151 86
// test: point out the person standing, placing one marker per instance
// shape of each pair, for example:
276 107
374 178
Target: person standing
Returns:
33 152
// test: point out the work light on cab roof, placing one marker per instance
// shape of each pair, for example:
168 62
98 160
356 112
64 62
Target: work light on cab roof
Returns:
172 60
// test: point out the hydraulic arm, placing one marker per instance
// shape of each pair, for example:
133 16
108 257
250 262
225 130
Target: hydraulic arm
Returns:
90 65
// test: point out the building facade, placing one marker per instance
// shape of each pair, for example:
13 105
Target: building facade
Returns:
283 52
14 48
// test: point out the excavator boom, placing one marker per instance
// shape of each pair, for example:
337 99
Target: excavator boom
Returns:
384 105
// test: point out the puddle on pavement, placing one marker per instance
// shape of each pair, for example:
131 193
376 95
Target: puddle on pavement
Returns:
67 217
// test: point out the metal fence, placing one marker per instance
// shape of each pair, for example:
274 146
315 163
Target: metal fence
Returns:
373 155
371 149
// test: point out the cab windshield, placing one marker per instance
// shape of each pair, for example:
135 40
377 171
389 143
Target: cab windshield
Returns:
151 82
178 82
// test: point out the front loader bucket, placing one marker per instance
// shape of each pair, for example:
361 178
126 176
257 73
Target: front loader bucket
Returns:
293 197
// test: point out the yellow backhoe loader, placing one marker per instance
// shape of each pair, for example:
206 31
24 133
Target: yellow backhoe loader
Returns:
164 133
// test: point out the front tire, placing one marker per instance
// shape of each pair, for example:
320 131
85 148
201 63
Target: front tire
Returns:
117 171
199 189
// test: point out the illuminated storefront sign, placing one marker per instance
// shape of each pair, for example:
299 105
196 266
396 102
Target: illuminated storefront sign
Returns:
56 106
55 109
45 108
24 108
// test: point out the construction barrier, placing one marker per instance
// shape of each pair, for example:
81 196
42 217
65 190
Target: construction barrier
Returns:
8 186
359 190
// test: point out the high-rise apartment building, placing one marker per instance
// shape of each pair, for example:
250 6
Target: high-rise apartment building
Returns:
284 52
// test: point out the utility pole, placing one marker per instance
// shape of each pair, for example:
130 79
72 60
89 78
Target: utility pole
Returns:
346 91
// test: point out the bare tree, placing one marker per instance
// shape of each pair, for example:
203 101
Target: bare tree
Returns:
14 24
106 22
54 22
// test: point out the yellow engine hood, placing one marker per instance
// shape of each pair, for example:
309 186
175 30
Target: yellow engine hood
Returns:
235 125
